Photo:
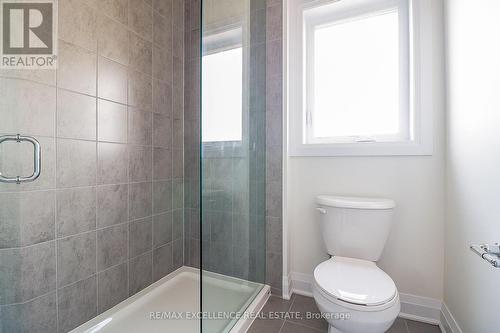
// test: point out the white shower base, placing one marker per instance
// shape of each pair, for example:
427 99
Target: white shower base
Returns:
178 295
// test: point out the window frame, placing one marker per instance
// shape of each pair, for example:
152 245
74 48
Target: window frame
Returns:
416 96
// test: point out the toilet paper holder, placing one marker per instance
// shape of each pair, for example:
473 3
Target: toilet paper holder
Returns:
489 253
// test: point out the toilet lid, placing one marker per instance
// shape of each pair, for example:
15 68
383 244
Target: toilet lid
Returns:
355 281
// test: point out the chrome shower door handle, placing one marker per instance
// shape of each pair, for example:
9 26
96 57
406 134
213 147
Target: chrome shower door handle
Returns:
37 163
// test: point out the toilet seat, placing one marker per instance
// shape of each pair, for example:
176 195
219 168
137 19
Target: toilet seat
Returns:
355 283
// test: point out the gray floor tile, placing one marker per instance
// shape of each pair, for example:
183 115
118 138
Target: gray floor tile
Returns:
266 326
277 304
290 327
418 327
399 326
306 305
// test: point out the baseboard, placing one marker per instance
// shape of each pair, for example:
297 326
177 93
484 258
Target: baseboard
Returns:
424 309
448 323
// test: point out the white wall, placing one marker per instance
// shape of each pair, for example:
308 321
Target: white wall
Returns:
472 288
414 253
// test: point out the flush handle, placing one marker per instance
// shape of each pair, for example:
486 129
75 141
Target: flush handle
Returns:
488 252
321 210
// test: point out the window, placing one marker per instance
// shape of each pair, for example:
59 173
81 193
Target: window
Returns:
356 93
222 88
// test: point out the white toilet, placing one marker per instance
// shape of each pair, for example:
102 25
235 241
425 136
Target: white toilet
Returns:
352 293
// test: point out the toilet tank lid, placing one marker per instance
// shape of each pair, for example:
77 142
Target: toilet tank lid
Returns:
355 202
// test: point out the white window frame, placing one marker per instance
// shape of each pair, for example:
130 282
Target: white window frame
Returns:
416 107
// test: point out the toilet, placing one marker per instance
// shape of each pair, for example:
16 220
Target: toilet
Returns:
352 293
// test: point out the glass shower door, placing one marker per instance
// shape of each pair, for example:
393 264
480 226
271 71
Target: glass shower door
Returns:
232 159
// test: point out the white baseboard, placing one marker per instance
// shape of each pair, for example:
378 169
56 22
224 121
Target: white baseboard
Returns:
424 309
448 323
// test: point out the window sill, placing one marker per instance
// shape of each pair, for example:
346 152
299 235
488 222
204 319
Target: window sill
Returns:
408 148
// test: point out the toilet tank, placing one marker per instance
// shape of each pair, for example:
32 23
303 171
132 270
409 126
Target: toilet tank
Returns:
355 227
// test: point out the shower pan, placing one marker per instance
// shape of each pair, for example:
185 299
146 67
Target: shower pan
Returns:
133 176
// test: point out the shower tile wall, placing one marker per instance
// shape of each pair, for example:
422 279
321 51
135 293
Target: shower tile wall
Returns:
221 237
105 219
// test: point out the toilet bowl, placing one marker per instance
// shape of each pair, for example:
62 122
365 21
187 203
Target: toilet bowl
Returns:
355 296
352 293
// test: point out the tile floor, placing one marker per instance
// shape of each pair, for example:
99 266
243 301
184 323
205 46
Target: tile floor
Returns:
303 304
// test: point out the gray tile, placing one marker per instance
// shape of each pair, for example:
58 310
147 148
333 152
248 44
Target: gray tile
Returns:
140 200
117 9
140 127
399 326
140 163
140 237
276 304
177 224
266 326
291 327
76 163
303 304
113 40
274 22
140 273
220 226
162 196
162 98
178 134
162 261
243 262
274 235
418 327
177 163
113 285
164 7
21 102
141 18
243 230
162 28
76 258
112 246
77 303
221 258
76 69
274 268
113 163
27 273
273 199
76 211
38 315
76 116
112 205
112 80
141 54
77 24
177 254
140 90
162 131
112 122
26 218
177 193
162 64
162 164
162 229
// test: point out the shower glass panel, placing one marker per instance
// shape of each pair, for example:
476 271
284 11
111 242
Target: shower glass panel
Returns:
233 73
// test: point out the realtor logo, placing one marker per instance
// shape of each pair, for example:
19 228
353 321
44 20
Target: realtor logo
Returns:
28 36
